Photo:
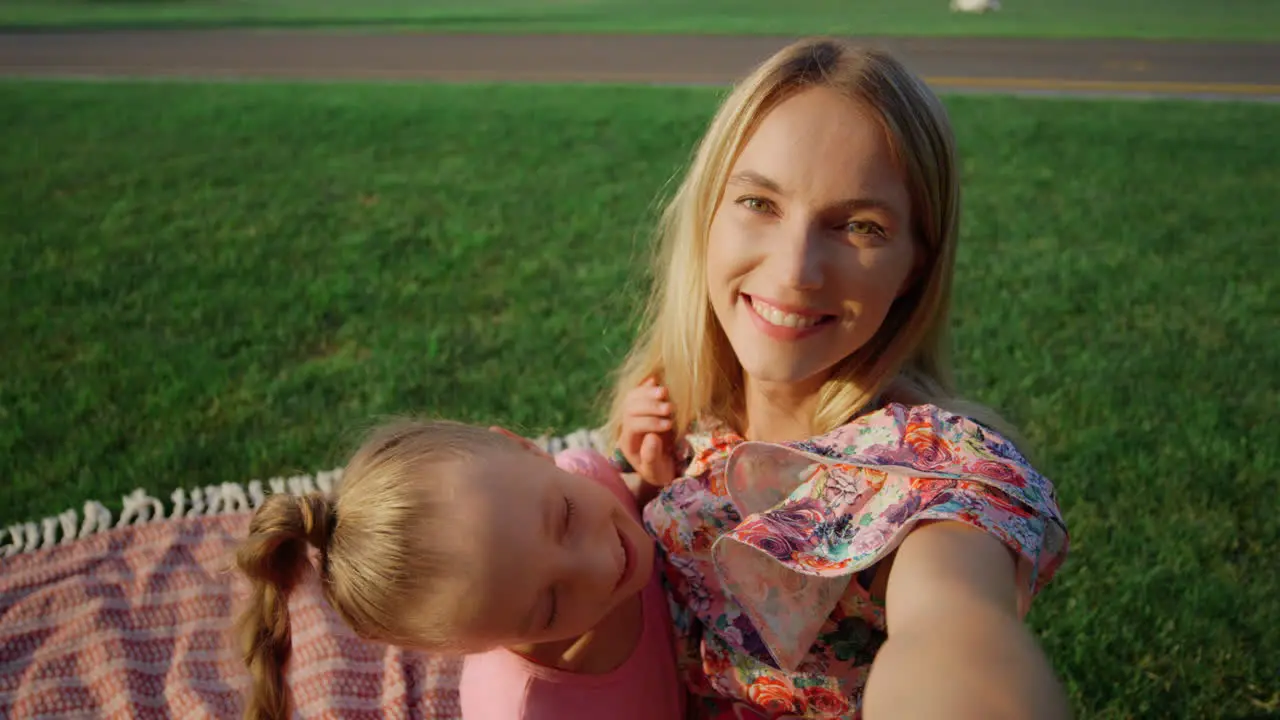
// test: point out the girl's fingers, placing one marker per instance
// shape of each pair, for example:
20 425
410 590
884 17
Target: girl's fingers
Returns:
647 420
650 449
652 392
656 465
652 408
640 401
637 426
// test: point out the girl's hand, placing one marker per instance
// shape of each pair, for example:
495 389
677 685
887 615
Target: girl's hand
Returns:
525 442
645 438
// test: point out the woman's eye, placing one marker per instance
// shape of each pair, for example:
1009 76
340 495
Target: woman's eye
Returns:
865 227
755 204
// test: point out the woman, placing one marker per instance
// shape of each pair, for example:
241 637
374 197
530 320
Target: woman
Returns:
797 330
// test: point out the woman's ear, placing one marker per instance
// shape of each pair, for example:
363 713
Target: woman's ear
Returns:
919 256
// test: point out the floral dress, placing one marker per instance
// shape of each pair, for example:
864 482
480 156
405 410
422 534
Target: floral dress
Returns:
769 548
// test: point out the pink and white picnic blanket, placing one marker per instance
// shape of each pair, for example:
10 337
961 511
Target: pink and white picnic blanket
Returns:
135 618
136 622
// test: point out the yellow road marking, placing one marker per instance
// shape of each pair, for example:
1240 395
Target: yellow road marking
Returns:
1120 86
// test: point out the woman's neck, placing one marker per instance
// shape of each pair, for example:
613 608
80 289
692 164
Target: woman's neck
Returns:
780 412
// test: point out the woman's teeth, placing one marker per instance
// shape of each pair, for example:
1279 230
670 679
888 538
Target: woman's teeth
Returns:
784 319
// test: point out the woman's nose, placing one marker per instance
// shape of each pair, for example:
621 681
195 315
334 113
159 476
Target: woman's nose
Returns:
799 258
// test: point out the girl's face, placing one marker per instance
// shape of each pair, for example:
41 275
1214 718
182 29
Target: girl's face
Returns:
554 552
812 241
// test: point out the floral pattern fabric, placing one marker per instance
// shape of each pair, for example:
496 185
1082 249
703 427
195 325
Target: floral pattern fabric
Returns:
768 548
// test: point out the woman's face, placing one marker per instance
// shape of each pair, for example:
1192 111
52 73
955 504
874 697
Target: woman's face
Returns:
553 552
812 241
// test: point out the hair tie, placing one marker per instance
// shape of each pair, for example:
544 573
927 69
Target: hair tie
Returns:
318 519
620 461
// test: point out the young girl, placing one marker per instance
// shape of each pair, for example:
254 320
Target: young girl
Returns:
845 535
451 538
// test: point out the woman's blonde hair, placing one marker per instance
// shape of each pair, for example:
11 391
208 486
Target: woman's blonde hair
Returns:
387 551
682 344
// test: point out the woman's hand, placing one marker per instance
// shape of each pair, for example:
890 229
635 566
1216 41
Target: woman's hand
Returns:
645 439
524 442
957 646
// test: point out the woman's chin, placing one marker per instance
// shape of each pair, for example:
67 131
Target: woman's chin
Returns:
786 371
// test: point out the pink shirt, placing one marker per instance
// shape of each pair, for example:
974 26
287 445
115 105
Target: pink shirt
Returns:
501 685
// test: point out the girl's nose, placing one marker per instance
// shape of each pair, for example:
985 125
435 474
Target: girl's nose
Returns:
592 560
602 554
606 563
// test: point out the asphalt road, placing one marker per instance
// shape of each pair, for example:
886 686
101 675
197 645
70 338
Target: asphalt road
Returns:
1102 67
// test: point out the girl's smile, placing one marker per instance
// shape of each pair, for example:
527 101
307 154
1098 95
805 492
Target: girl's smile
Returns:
555 551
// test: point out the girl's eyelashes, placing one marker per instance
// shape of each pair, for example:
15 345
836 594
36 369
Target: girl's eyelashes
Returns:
569 509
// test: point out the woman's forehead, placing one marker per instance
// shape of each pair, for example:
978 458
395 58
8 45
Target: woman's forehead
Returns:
819 140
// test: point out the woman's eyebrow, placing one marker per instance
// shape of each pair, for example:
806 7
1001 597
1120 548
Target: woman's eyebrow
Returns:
752 178
755 179
868 203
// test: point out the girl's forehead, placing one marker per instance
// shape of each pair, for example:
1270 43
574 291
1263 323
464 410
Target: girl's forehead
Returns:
498 571
501 507
500 489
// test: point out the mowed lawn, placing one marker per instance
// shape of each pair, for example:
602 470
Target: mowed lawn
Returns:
1220 19
208 283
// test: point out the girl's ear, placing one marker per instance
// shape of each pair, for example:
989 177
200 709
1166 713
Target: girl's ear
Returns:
524 442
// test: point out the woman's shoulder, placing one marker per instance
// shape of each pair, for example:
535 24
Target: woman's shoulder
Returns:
923 432
932 444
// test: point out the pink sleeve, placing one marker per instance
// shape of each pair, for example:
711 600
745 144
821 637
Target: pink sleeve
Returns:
492 687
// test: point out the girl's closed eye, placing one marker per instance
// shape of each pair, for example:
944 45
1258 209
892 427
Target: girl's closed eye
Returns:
553 595
569 509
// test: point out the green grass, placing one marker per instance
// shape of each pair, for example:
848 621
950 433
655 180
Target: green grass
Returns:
220 282
1220 19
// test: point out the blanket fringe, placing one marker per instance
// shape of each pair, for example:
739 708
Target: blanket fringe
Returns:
139 508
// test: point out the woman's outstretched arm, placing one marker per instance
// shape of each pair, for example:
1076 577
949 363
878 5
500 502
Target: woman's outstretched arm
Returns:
957 647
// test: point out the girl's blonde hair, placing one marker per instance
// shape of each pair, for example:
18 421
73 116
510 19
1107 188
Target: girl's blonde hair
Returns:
682 344
387 551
